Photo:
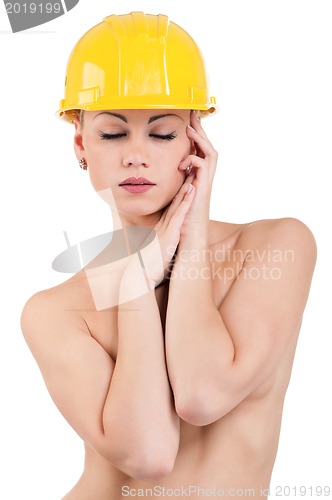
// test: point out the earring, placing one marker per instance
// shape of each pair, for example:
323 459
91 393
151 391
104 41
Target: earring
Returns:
83 164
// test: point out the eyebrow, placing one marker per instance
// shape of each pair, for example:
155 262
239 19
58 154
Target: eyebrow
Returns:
151 119
123 118
154 118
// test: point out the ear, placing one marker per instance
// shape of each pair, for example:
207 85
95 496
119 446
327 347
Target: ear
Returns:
78 139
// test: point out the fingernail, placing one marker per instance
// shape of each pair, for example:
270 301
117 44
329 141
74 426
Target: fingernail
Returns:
191 128
198 115
190 188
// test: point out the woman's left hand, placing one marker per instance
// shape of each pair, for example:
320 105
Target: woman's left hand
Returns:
203 166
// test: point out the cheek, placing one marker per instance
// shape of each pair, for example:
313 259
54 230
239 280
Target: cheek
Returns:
97 155
173 178
185 151
99 173
169 163
99 159
177 153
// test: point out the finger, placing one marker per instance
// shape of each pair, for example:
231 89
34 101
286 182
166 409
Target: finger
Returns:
195 122
203 143
178 198
192 161
203 168
180 213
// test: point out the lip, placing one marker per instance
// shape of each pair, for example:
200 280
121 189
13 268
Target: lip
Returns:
137 188
136 184
136 180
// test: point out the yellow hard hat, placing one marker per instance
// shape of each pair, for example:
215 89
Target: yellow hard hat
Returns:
135 61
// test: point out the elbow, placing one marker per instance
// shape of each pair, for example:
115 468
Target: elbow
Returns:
203 409
195 413
148 465
145 463
152 468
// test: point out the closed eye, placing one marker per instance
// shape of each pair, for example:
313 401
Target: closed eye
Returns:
104 136
166 137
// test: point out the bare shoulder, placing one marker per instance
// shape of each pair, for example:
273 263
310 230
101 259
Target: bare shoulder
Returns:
284 245
285 229
51 307
286 236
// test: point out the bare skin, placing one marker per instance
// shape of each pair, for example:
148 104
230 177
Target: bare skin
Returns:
237 451
184 385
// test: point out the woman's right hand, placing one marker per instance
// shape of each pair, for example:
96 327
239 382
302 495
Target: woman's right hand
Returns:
157 256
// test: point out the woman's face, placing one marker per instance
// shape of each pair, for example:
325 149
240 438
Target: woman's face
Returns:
119 144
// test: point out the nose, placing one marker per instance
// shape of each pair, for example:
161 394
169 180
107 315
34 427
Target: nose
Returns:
134 154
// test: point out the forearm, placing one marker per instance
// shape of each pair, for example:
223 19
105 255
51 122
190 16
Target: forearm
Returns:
139 410
199 350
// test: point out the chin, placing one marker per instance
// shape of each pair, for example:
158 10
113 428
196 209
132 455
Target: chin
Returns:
141 207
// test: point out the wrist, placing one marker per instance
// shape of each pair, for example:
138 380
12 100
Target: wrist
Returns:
194 239
192 251
134 282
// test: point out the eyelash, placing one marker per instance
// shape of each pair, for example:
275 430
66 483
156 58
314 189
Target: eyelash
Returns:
167 137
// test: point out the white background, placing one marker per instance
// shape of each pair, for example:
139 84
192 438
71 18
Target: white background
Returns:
270 67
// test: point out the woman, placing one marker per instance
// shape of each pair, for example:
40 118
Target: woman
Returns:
171 352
